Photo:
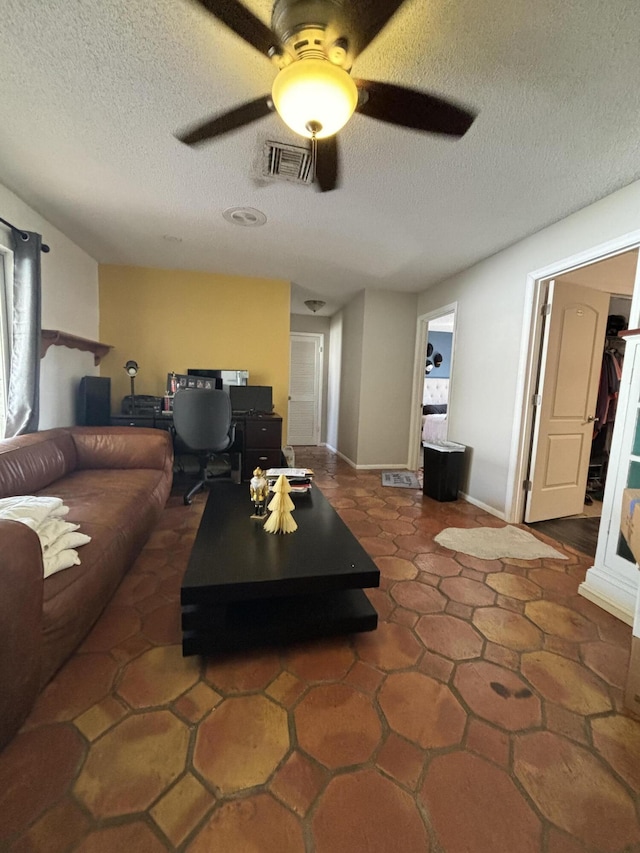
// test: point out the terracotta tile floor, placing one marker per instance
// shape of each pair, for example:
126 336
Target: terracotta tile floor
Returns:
484 715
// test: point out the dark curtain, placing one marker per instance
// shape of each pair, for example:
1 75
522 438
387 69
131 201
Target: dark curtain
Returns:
24 359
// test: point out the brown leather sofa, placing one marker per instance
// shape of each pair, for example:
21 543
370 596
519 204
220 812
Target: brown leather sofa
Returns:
116 481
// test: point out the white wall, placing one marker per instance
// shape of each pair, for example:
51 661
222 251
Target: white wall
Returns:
318 326
69 303
387 378
491 299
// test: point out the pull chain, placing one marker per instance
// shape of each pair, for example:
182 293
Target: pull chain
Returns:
314 127
314 154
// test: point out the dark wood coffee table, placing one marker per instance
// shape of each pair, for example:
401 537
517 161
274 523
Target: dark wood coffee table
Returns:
244 587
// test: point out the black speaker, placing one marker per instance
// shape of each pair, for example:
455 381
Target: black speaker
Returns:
94 401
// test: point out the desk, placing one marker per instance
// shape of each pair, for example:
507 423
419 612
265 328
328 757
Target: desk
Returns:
149 421
258 437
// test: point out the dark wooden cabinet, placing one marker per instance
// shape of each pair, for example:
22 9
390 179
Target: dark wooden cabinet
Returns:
260 439
133 420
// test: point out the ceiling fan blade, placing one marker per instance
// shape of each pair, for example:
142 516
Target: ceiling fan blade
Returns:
366 19
244 114
327 164
413 109
243 22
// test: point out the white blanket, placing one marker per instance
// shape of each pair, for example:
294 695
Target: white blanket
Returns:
31 509
45 516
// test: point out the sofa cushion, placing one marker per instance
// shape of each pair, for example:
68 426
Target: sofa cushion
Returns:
75 597
116 508
20 621
113 497
30 463
122 447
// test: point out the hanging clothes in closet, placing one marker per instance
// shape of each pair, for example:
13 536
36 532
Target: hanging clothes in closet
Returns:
608 388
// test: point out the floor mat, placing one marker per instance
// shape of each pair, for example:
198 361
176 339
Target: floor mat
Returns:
400 479
493 543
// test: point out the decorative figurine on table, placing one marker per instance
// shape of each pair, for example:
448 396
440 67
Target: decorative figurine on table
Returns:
281 520
259 489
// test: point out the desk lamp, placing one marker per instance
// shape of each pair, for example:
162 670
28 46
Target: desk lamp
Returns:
132 369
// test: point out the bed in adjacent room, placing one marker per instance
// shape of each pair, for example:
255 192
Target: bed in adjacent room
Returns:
435 399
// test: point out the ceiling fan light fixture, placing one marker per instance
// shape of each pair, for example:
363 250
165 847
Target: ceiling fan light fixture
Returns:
314 93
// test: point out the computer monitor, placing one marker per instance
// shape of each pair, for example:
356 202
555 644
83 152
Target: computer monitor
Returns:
224 378
208 374
251 398
209 379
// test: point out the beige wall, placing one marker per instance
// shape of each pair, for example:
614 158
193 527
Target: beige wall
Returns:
174 319
351 377
378 342
387 378
69 303
333 390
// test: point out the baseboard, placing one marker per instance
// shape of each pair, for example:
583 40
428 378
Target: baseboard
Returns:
398 466
490 509
610 593
341 455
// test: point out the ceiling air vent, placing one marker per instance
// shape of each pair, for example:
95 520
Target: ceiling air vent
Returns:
287 163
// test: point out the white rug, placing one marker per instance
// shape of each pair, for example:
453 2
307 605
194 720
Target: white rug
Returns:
492 543
401 479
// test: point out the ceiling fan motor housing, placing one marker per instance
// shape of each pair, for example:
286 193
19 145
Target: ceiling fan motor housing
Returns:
316 27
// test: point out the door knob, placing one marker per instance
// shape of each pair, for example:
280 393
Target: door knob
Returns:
591 419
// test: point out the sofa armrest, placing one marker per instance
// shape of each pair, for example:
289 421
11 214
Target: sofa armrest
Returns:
22 581
123 447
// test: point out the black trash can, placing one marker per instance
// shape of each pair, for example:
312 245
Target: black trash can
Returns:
442 469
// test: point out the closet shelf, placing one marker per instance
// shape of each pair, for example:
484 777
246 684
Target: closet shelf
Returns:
54 337
628 333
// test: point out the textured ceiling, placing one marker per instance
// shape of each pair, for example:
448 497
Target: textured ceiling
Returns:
92 93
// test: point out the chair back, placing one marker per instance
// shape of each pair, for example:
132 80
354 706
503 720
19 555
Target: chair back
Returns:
202 419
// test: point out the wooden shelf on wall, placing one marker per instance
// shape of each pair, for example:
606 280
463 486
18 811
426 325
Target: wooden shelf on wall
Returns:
54 337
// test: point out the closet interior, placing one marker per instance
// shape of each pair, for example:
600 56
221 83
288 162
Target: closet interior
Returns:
606 405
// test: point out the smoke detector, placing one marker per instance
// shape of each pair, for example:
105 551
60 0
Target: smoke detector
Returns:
248 217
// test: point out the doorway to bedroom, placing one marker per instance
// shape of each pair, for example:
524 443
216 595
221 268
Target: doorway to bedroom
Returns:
432 380
437 376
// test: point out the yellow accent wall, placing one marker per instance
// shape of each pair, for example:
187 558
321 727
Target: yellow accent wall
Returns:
175 319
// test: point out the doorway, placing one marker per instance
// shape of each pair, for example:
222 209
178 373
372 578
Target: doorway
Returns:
433 373
577 377
305 388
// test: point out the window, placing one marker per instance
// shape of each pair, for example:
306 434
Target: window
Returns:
6 278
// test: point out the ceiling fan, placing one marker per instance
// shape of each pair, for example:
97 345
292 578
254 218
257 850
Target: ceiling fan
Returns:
314 43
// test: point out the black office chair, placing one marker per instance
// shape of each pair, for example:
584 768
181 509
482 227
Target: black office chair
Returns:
202 421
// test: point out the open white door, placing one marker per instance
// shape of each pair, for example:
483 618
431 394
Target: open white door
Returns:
305 383
570 364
